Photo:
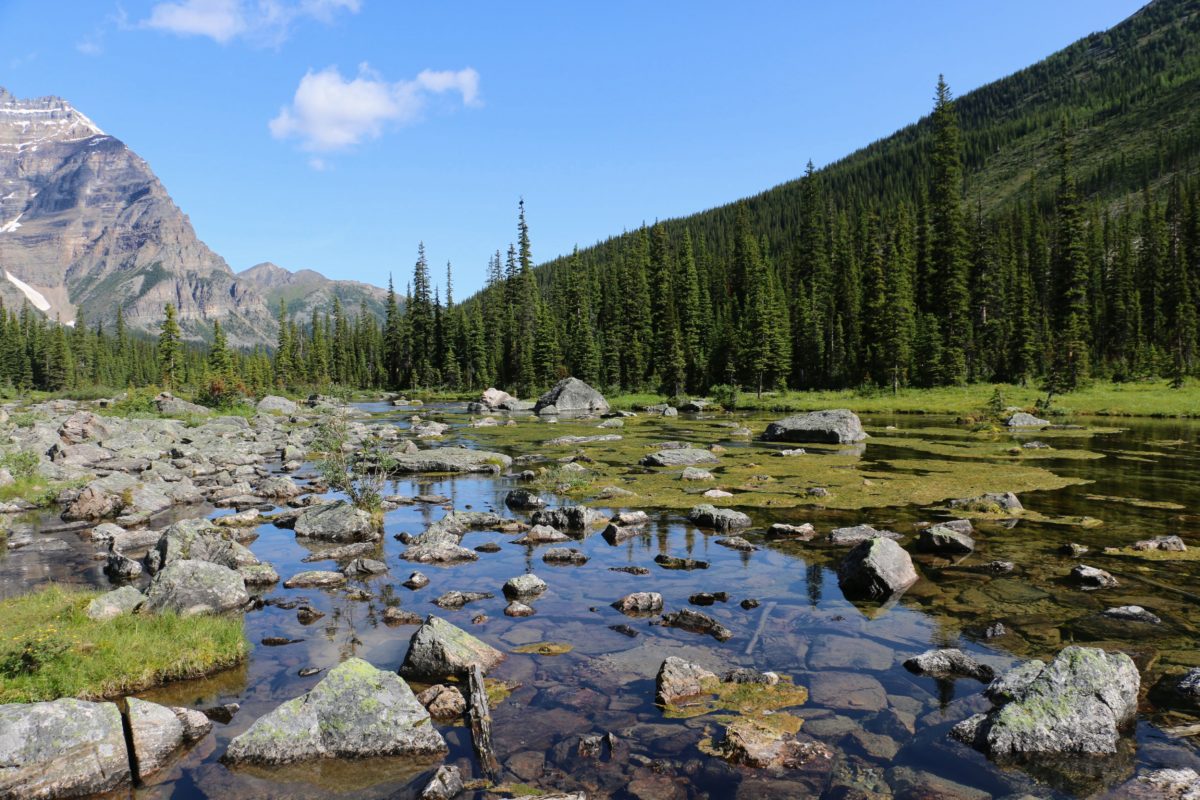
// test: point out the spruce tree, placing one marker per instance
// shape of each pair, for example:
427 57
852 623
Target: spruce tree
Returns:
170 349
947 246
1071 272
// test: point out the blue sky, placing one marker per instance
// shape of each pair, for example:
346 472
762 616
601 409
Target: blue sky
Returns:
336 134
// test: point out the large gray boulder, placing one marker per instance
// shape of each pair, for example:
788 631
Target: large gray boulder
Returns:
356 711
336 522
439 650
683 457
1024 420
191 587
1079 704
571 396
111 605
721 519
449 459
65 748
158 733
835 426
875 570
273 404
197 540
567 518
169 404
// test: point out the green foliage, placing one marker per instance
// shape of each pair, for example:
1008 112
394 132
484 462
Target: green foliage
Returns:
725 395
357 469
21 464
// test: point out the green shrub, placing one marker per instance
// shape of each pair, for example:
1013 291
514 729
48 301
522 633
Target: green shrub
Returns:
725 395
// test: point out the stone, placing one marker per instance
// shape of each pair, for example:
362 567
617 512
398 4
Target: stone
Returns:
449 459
689 456
364 566
355 711
847 691
672 562
752 743
119 567
1092 578
315 579
990 503
678 680
518 609
443 702
876 570
696 622
1022 419
93 504
335 522
158 733
273 404
416 581
116 603
64 748
524 586
398 616
804 532
456 599
83 426
197 540
1163 784
1080 704
190 587
106 532
1171 544
858 533
833 652
170 405
695 474
836 426
949 663
1073 550
721 519
567 556
523 500
567 518
1132 614
946 540
639 603
542 534
571 396
736 543
440 650
446 784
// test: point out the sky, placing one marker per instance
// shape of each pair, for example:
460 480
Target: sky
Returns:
336 135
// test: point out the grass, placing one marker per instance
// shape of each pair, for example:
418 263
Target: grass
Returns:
1141 399
49 648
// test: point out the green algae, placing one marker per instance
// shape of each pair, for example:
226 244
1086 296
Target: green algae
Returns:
745 699
1137 502
545 648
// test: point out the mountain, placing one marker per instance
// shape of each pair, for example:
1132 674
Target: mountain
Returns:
306 291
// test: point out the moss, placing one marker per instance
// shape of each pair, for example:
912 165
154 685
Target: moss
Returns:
1191 554
545 648
1137 502
498 690
745 699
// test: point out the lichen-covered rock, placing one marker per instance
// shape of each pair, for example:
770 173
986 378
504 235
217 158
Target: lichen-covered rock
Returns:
524 586
315 579
440 650
835 426
446 784
449 459
336 522
196 587
1022 419
949 663
875 570
1080 703
639 603
683 457
946 540
803 532
273 404
721 519
990 503
64 748
356 711
567 518
443 702
118 602
158 733
542 534
858 533
571 396
678 679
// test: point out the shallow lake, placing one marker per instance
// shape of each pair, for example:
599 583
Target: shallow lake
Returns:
1146 483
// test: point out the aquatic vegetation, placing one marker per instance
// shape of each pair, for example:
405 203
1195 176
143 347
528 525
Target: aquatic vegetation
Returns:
545 648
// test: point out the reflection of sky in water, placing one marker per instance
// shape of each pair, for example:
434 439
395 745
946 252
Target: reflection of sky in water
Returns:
606 682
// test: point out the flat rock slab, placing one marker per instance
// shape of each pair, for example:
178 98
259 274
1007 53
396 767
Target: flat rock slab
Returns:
847 691
450 459
315 579
684 457
844 652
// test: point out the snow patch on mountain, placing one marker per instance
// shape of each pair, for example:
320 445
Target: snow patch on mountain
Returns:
38 299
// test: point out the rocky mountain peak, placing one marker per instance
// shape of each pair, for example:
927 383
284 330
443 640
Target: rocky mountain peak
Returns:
41 120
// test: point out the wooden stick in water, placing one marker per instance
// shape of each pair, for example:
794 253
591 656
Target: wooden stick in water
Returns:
481 725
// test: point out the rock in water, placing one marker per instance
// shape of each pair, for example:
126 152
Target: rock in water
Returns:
722 519
356 711
1024 420
449 459
640 603
524 586
158 733
571 396
440 650
949 663
858 533
1092 578
678 680
66 748
335 522
944 539
875 570
567 518
836 426
682 457
1078 704
196 587
446 784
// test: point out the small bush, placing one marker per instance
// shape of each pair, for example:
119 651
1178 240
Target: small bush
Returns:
221 394
725 395
21 464
136 402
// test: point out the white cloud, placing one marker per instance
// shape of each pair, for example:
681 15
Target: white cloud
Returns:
330 112
262 21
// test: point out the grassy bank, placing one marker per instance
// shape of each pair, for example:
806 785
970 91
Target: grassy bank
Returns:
49 648
1101 399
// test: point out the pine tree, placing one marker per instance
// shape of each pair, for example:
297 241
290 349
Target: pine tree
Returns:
947 256
1071 271
220 361
170 349
283 349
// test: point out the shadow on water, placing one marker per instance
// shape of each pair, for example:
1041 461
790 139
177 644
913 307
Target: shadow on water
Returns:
888 726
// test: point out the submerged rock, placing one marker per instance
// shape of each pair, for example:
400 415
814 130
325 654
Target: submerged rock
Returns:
456 599
948 663
696 622
944 539
1080 704
835 426
356 711
64 748
440 650
876 570
721 519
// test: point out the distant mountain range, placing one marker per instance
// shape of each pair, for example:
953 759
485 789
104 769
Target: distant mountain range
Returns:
86 224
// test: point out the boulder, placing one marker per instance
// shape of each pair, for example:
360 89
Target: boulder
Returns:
567 518
360 567
1171 544
678 680
803 532
274 404
836 426
542 534
696 622
876 569
494 399
83 426
949 663
446 784
990 503
93 504
640 603
169 404
524 586
1092 578
64 748
564 555
571 396
449 459
1079 704
315 579
1023 420
721 519
336 522
523 500
696 474
196 587
684 457
116 603
119 567
158 733
944 539
356 711
859 533
440 650
197 540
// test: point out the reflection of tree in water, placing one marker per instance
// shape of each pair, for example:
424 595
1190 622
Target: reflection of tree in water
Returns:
814 578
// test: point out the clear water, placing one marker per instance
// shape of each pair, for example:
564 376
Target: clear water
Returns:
606 683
